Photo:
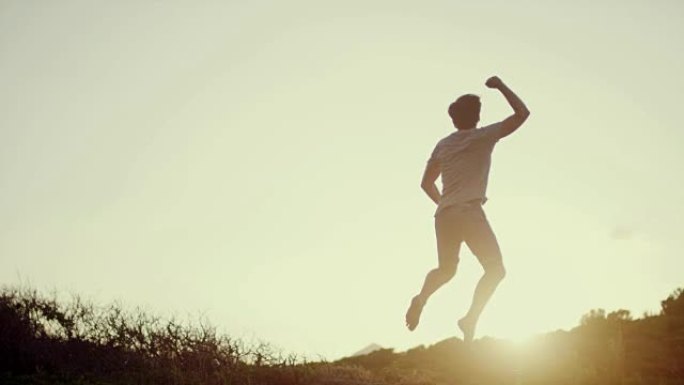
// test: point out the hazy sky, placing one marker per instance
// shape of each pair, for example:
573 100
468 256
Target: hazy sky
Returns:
259 162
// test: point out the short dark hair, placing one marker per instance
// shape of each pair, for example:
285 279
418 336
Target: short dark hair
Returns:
465 111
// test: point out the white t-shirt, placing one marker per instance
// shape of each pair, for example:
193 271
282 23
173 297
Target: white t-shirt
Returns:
464 159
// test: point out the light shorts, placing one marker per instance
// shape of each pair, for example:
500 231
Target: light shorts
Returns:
466 223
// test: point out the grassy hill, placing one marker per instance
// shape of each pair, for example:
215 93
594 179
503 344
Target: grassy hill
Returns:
43 341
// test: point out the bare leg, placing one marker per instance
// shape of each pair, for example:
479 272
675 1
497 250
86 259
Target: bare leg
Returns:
435 279
482 242
483 292
448 245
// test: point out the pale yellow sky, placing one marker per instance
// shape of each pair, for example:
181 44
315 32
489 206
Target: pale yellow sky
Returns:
259 162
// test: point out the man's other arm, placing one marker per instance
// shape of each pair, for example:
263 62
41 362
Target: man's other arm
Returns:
520 111
430 175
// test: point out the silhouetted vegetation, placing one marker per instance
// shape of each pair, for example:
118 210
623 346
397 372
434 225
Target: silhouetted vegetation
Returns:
606 348
43 341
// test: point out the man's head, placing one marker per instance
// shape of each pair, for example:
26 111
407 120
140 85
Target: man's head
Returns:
465 111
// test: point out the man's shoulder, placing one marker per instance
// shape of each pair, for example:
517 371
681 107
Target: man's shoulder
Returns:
489 133
489 127
449 138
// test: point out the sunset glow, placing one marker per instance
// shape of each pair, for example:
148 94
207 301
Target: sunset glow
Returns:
258 163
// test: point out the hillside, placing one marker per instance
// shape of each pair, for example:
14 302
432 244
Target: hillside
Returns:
605 348
44 341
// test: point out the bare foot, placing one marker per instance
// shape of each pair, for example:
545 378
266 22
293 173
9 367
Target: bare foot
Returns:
413 313
467 326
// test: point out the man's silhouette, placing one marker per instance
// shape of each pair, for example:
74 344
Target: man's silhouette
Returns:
463 158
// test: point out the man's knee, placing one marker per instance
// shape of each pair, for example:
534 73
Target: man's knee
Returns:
447 271
496 270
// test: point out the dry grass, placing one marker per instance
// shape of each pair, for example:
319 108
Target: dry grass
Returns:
43 340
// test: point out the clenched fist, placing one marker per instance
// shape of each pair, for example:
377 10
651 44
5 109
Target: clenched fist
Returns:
494 82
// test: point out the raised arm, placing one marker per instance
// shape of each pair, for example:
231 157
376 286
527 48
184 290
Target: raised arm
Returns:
520 111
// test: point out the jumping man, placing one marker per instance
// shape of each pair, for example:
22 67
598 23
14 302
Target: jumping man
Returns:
463 158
